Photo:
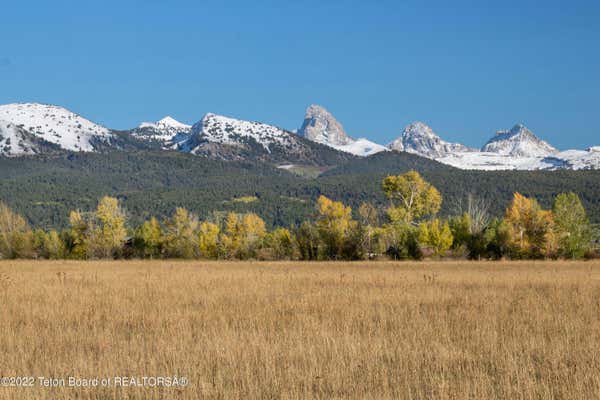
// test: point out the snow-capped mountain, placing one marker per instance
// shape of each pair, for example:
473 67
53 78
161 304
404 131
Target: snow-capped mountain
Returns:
320 126
164 130
56 125
519 142
16 141
215 128
226 138
520 149
418 138
32 128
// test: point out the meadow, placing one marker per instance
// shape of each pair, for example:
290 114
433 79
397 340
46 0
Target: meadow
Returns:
300 330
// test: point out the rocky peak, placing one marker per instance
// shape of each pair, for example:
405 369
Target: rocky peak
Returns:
419 138
518 141
321 126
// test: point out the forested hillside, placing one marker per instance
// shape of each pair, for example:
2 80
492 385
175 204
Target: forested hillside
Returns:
45 188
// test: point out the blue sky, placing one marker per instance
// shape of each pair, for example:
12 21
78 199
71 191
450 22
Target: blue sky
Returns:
465 68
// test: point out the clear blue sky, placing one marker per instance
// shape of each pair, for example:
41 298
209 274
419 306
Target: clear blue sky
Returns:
465 68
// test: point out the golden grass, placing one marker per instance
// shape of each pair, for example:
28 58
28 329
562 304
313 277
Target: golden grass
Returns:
451 330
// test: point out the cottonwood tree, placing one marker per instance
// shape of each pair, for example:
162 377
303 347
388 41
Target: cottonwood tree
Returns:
280 243
180 238
110 231
436 235
531 228
572 225
16 237
150 238
411 197
208 240
333 223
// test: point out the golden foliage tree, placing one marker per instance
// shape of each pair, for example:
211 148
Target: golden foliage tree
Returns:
253 233
180 239
411 197
333 223
109 231
208 240
151 236
436 235
531 228
16 238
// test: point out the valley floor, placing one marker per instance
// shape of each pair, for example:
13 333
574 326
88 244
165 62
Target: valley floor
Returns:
254 330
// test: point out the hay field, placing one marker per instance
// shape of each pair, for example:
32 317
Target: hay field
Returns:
447 330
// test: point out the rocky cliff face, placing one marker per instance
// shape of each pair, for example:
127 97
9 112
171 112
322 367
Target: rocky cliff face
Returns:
418 138
321 126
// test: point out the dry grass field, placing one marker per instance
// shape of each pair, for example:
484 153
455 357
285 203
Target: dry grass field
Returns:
451 330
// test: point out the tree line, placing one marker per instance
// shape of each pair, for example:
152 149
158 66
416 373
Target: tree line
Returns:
408 227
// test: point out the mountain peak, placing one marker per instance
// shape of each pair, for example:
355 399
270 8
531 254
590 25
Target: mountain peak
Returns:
170 121
166 122
518 141
164 131
226 130
55 125
419 138
320 126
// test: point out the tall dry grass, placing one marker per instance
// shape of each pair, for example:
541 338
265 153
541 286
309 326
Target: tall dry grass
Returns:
247 330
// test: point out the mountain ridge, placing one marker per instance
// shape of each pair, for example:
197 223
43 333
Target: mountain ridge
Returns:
33 128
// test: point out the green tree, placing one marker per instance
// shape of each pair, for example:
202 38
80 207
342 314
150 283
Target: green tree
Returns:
572 225
401 241
411 197
280 243
48 244
54 247
308 241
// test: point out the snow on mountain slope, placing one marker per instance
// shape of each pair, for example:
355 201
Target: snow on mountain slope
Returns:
14 141
361 147
569 159
320 126
518 141
164 130
55 125
493 161
580 159
418 138
224 130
